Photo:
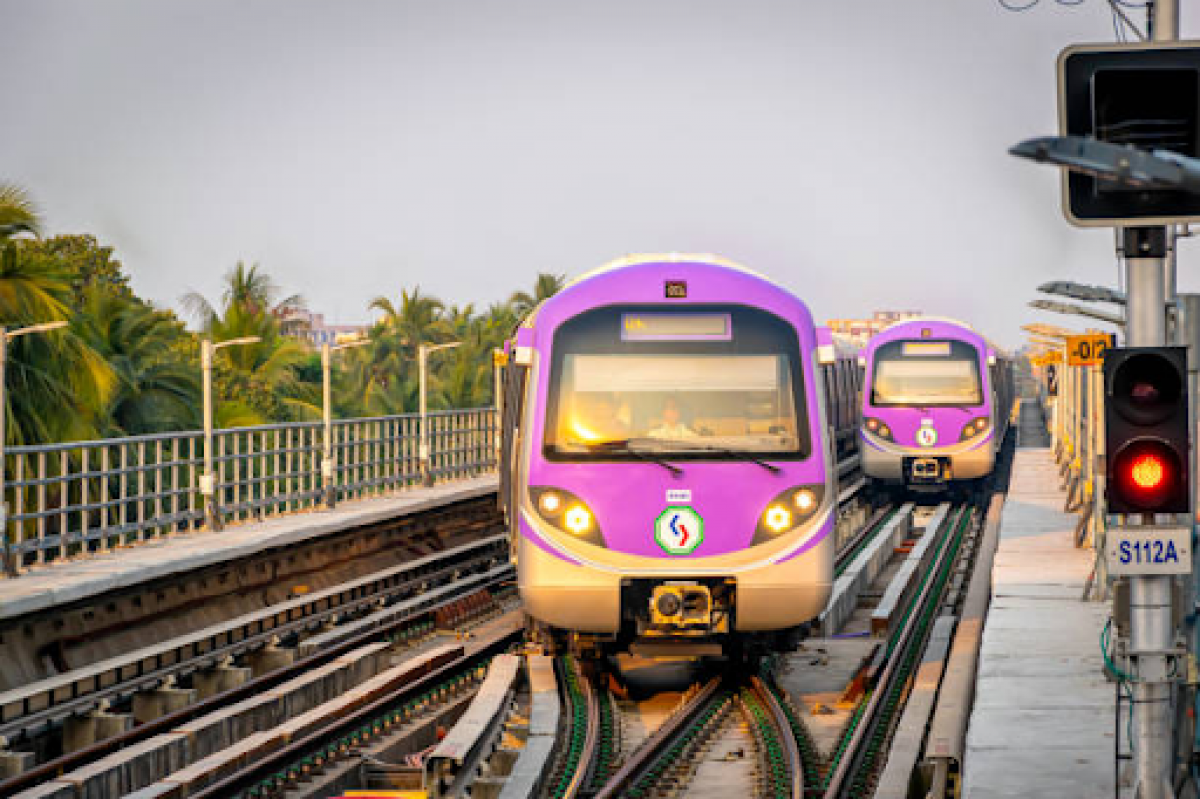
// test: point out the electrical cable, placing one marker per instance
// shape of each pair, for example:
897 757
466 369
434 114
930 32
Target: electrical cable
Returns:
1116 6
1123 680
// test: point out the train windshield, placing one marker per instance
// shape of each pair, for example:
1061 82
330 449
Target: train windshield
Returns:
926 373
681 396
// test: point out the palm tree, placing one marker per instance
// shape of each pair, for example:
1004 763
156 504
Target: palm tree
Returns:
56 383
263 376
17 214
157 383
545 287
257 382
415 321
247 288
384 372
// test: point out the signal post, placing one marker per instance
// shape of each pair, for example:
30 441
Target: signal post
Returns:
1130 138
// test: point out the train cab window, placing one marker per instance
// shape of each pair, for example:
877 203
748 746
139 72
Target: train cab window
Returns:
615 398
926 373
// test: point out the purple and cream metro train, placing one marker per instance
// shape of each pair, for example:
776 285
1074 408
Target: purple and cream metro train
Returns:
936 404
669 440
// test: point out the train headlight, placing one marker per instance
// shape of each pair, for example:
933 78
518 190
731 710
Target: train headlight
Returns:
804 500
550 503
578 519
788 511
777 518
877 428
973 428
566 512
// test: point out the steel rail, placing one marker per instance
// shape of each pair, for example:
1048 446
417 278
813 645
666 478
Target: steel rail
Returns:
848 764
864 534
209 646
946 740
640 761
587 756
73 760
791 747
274 762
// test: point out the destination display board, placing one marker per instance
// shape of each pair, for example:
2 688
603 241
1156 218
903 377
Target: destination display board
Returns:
676 327
926 348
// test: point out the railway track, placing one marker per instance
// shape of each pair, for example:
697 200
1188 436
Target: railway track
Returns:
786 761
396 605
399 712
552 733
859 757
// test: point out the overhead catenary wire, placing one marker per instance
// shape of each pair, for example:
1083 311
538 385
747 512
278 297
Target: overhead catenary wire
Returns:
1120 19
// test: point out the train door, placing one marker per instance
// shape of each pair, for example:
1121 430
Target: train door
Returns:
513 379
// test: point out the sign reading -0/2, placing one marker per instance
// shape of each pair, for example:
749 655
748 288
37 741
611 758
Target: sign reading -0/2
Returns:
1088 350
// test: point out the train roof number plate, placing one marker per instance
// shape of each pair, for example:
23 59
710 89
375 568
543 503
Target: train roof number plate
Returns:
1149 550
679 530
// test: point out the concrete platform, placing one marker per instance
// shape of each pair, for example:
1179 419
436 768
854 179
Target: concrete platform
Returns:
1042 721
59 584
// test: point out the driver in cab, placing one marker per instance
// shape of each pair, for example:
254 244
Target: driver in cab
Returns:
672 426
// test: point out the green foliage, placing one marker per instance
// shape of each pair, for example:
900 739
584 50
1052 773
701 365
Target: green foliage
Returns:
153 359
84 263
263 379
55 381
17 214
123 367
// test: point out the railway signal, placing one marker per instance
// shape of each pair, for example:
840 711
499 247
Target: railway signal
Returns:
1146 429
1146 95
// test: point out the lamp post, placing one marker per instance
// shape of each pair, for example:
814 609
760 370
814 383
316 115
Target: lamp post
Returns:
1083 291
1071 308
328 460
208 480
423 352
6 335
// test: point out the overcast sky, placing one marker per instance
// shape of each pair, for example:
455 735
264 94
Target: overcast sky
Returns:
854 151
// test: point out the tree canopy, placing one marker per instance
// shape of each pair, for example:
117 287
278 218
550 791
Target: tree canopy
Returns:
125 367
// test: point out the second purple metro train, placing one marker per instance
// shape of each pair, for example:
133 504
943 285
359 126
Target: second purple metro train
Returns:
936 403
670 438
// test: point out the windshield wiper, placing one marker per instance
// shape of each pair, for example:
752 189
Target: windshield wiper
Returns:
622 445
742 455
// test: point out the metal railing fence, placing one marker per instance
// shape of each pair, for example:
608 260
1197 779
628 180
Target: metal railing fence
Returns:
75 498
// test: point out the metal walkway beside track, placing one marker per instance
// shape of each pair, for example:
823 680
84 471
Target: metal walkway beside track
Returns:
64 582
1042 723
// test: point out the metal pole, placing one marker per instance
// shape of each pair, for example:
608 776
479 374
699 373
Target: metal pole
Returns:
1164 16
498 361
426 476
10 563
208 480
1152 633
1189 305
1099 521
1078 394
327 427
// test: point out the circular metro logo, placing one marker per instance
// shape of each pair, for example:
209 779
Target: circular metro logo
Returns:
679 530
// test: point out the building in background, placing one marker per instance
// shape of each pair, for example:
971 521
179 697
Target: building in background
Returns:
860 331
311 327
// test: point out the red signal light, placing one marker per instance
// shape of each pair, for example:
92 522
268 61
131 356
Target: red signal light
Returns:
1148 472
1147 476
